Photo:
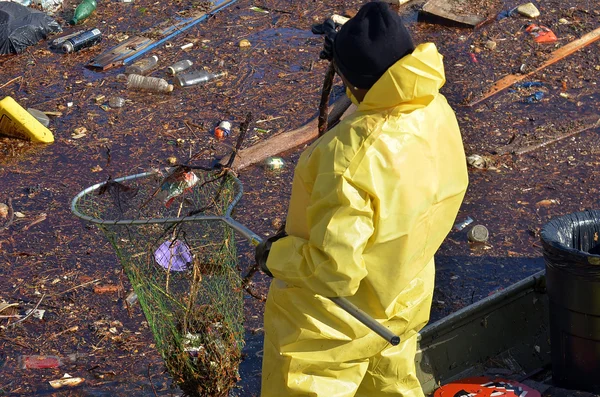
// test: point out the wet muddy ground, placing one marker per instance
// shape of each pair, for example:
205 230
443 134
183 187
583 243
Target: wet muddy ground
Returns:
47 252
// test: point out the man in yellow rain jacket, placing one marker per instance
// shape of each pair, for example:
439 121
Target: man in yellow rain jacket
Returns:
372 200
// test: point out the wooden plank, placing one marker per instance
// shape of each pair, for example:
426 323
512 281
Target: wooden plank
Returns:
444 11
555 56
288 140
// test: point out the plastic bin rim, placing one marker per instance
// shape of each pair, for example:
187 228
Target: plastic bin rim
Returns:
549 242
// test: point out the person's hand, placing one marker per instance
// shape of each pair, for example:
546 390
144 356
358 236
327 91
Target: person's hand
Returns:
327 29
262 251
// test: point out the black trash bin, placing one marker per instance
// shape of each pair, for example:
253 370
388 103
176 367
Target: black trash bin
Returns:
572 254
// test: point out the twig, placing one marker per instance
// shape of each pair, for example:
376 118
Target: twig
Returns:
531 148
325 92
11 81
247 284
39 219
11 215
150 380
30 313
77 286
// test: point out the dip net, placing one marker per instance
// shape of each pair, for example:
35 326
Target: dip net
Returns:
167 229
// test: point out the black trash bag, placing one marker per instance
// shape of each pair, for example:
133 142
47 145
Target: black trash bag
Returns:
21 27
572 244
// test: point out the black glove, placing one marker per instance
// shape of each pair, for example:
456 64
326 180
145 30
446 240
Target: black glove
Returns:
262 251
326 28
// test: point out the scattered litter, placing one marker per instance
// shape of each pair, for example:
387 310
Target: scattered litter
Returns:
39 116
258 9
147 83
541 34
172 160
37 313
142 66
528 10
186 46
245 43
49 6
473 58
3 214
452 13
478 161
274 163
19 214
196 77
179 66
66 380
69 104
57 43
39 362
564 95
81 41
547 202
83 11
22 27
116 102
106 289
535 97
339 20
490 45
131 298
563 21
478 234
506 14
223 130
461 225
529 84
173 255
79 132
100 98
16 122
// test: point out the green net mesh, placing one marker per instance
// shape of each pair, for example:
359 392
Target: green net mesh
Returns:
183 268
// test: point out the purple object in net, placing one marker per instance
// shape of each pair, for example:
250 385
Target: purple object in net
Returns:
173 255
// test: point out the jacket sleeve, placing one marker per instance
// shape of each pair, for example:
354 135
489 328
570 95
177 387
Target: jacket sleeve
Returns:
330 262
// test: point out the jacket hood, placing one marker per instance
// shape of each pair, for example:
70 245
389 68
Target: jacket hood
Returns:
413 81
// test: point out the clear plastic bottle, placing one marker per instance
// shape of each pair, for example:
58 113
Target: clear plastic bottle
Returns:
136 81
142 66
198 77
179 66
116 102
40 116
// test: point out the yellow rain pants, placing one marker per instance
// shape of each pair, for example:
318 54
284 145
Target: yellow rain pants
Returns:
372 200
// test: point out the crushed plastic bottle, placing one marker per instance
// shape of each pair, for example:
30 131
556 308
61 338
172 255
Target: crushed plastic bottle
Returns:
179 66
82 40
116 102
142 66
83 10
198 77
138 82
274 163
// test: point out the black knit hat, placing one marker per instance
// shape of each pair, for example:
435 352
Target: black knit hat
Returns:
369 43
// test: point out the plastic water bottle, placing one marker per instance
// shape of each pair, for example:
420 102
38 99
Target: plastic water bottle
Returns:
198 77
83 10
83 40
179 66
142 66
136 81
116 102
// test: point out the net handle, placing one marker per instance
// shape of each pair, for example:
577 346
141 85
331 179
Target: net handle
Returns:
342 302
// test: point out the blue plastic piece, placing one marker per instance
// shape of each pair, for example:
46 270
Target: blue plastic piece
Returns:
535 97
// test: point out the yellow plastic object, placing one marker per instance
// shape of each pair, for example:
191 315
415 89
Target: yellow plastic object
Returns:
372 200
17 122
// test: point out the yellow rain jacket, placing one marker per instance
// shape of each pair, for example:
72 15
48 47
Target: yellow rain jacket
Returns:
371 202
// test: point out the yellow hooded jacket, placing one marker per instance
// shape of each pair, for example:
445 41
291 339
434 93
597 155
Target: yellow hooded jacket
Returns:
372 200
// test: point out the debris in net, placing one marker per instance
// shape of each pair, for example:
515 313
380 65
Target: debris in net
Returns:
121 194
173 255
180 181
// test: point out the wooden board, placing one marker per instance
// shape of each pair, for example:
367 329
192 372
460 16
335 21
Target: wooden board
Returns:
444 11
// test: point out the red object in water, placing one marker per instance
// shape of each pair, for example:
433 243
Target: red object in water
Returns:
485 387
541 34
474 58
40 362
